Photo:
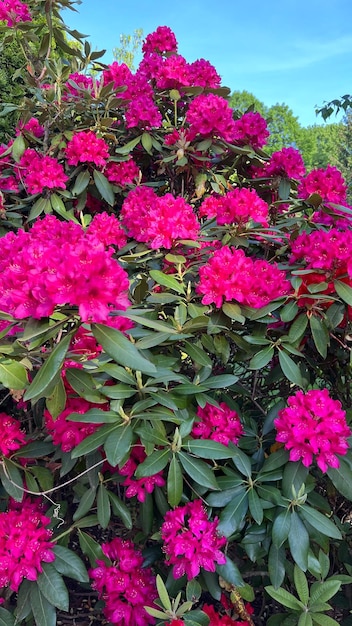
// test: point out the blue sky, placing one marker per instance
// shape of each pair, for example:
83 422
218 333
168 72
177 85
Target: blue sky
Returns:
293 51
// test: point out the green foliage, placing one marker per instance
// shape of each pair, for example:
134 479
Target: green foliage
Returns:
130 46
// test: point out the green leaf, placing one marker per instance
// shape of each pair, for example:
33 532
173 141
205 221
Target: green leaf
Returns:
174 483
285 598
232 516
281 528
320 522
43 611
255 506
320 335
128 147
242 462
298 540
324 620
167 281
69 564
290 369
53 587
91 548
84 385
301 584
276 565
298 327
341 477
221 382
94 441
193 591
11 479
121 510
18 147
199 471
81 183
324 591
344 291
230 572
104 187
13 375
153 464
49 369
163 594
262 358
233 311
305 619
103 506
150 323
197 354
23 603
147 142
118 443
294 476
208 449
6 618
56 402
121 349
95 416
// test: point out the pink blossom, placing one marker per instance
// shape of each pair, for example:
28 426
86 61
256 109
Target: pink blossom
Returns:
24 545
139 487
326 250
119 74
67 434
287 163
313 425
203 74
240 206
86 147
158 221
38 172
12 437
32 126
107 229
251 129
13 11
125 586
123 173
143 112
191 541
231 275
173 73
218 423
161 40
210 116
82 81
328 183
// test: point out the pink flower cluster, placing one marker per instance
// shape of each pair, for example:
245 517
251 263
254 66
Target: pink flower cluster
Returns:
56 263
32 126
210 116
139 486
123 173
231 275
223 620
191 541
13 11
251 129
313 425
12 437
241 206
328 183
125 586
24 545
162 40
218 423
158 221
327 250
107 229
38 172
77 82
67 434
86 147
287 163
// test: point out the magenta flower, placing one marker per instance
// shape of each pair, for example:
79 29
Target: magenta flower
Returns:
68 434
123 173
126 586
161 40
39 173
139 487
107 229
86 147
24 545
191 541
313 426
218 423
12 437
210 116
287 163
32 126
328 183
13 11
240 206
251 129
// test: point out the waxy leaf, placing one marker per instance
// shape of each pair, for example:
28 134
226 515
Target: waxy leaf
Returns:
121 349
49 370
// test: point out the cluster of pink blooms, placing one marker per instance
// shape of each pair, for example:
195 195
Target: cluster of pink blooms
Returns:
220 423
251 129
286 163
139 486
12 437
231 275
328 183
125 586
326 250
161 40
158 221
86 147
107 229
191 541
38 172
210 116
32 126
77 81
239 206
224 620
24 545
56 263
313 425
67 434
13 11
123 173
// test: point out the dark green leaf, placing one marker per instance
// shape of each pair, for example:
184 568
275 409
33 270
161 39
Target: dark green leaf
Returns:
285 598
298 540
281 528
53 588
48 370
90 548
153 464
255 506
69 564
230 572
84 385
301 585
118 444
208 449
23 604
344 291
104 187
290 369
320 335
197 354
43 611
94 441
11 479
13 375
276 565
341 477
221 382
103 506
199 471
81 182
121 510
262 358
121 349
56 402
320 522
174 483
85 504
167 281
232 516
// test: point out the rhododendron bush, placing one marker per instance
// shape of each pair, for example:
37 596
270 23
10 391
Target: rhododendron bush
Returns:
175 349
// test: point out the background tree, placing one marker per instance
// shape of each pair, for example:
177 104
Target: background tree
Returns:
130 45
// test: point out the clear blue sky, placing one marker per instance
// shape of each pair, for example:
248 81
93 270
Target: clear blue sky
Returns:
293 51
